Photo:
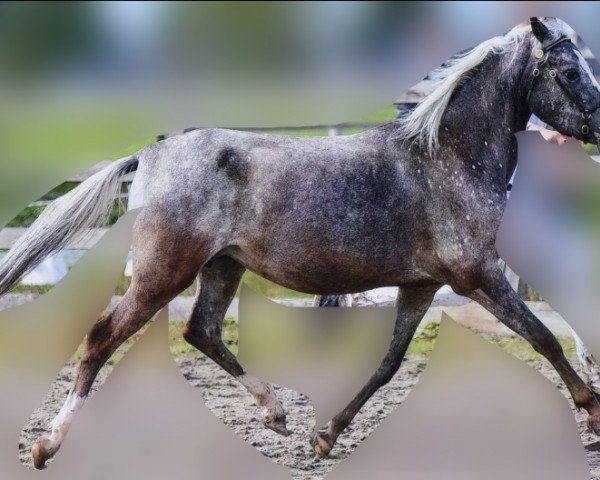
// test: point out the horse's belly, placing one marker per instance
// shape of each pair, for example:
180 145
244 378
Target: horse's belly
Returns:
326 276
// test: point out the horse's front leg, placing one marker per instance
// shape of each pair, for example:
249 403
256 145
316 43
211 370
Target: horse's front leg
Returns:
412 304
497 296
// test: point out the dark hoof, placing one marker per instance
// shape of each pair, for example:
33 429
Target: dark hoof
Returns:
40 454
321 444
594 424
277 424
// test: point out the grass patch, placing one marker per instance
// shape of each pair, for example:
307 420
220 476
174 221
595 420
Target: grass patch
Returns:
386 114
424 341
305 132
26 217
270 289
179 347
522 350
421 346
30 214
590 148
35 289
257 283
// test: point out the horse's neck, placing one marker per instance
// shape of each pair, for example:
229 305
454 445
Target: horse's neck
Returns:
489 109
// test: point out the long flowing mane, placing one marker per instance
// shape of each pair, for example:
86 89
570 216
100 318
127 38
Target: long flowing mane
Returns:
423 122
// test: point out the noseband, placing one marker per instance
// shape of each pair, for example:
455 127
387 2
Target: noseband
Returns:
540 55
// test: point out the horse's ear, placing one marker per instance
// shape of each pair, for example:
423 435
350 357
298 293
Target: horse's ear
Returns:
540 30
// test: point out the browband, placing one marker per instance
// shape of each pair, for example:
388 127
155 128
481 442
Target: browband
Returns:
550 46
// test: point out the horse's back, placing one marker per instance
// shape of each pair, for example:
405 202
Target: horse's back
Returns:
217 161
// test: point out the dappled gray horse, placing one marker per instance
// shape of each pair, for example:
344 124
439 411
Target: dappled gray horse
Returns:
415 203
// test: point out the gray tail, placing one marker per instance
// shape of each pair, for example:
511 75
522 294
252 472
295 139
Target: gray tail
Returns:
84 207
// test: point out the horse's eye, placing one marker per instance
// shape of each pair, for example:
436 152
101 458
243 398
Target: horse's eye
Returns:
572 75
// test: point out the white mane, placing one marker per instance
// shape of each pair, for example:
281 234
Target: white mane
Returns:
423 122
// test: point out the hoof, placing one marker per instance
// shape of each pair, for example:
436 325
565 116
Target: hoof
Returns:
594 425
40 453
277 424
321 444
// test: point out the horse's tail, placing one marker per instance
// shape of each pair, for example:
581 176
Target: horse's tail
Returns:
84 207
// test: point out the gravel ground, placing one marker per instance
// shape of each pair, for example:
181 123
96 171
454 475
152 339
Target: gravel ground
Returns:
234 406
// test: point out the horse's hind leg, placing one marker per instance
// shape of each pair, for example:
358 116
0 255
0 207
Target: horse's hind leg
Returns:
113 328
412 304
156 281
218 282
498 297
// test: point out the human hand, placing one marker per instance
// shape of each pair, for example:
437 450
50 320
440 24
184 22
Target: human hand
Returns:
551 136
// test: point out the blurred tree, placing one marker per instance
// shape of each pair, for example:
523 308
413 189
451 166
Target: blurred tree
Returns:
36 37
243 36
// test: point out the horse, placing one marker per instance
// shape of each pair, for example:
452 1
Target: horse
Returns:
415 203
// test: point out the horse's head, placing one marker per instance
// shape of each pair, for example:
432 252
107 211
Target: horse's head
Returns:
562 90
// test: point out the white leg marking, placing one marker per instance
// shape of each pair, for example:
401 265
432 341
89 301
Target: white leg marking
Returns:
61 423
263 394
